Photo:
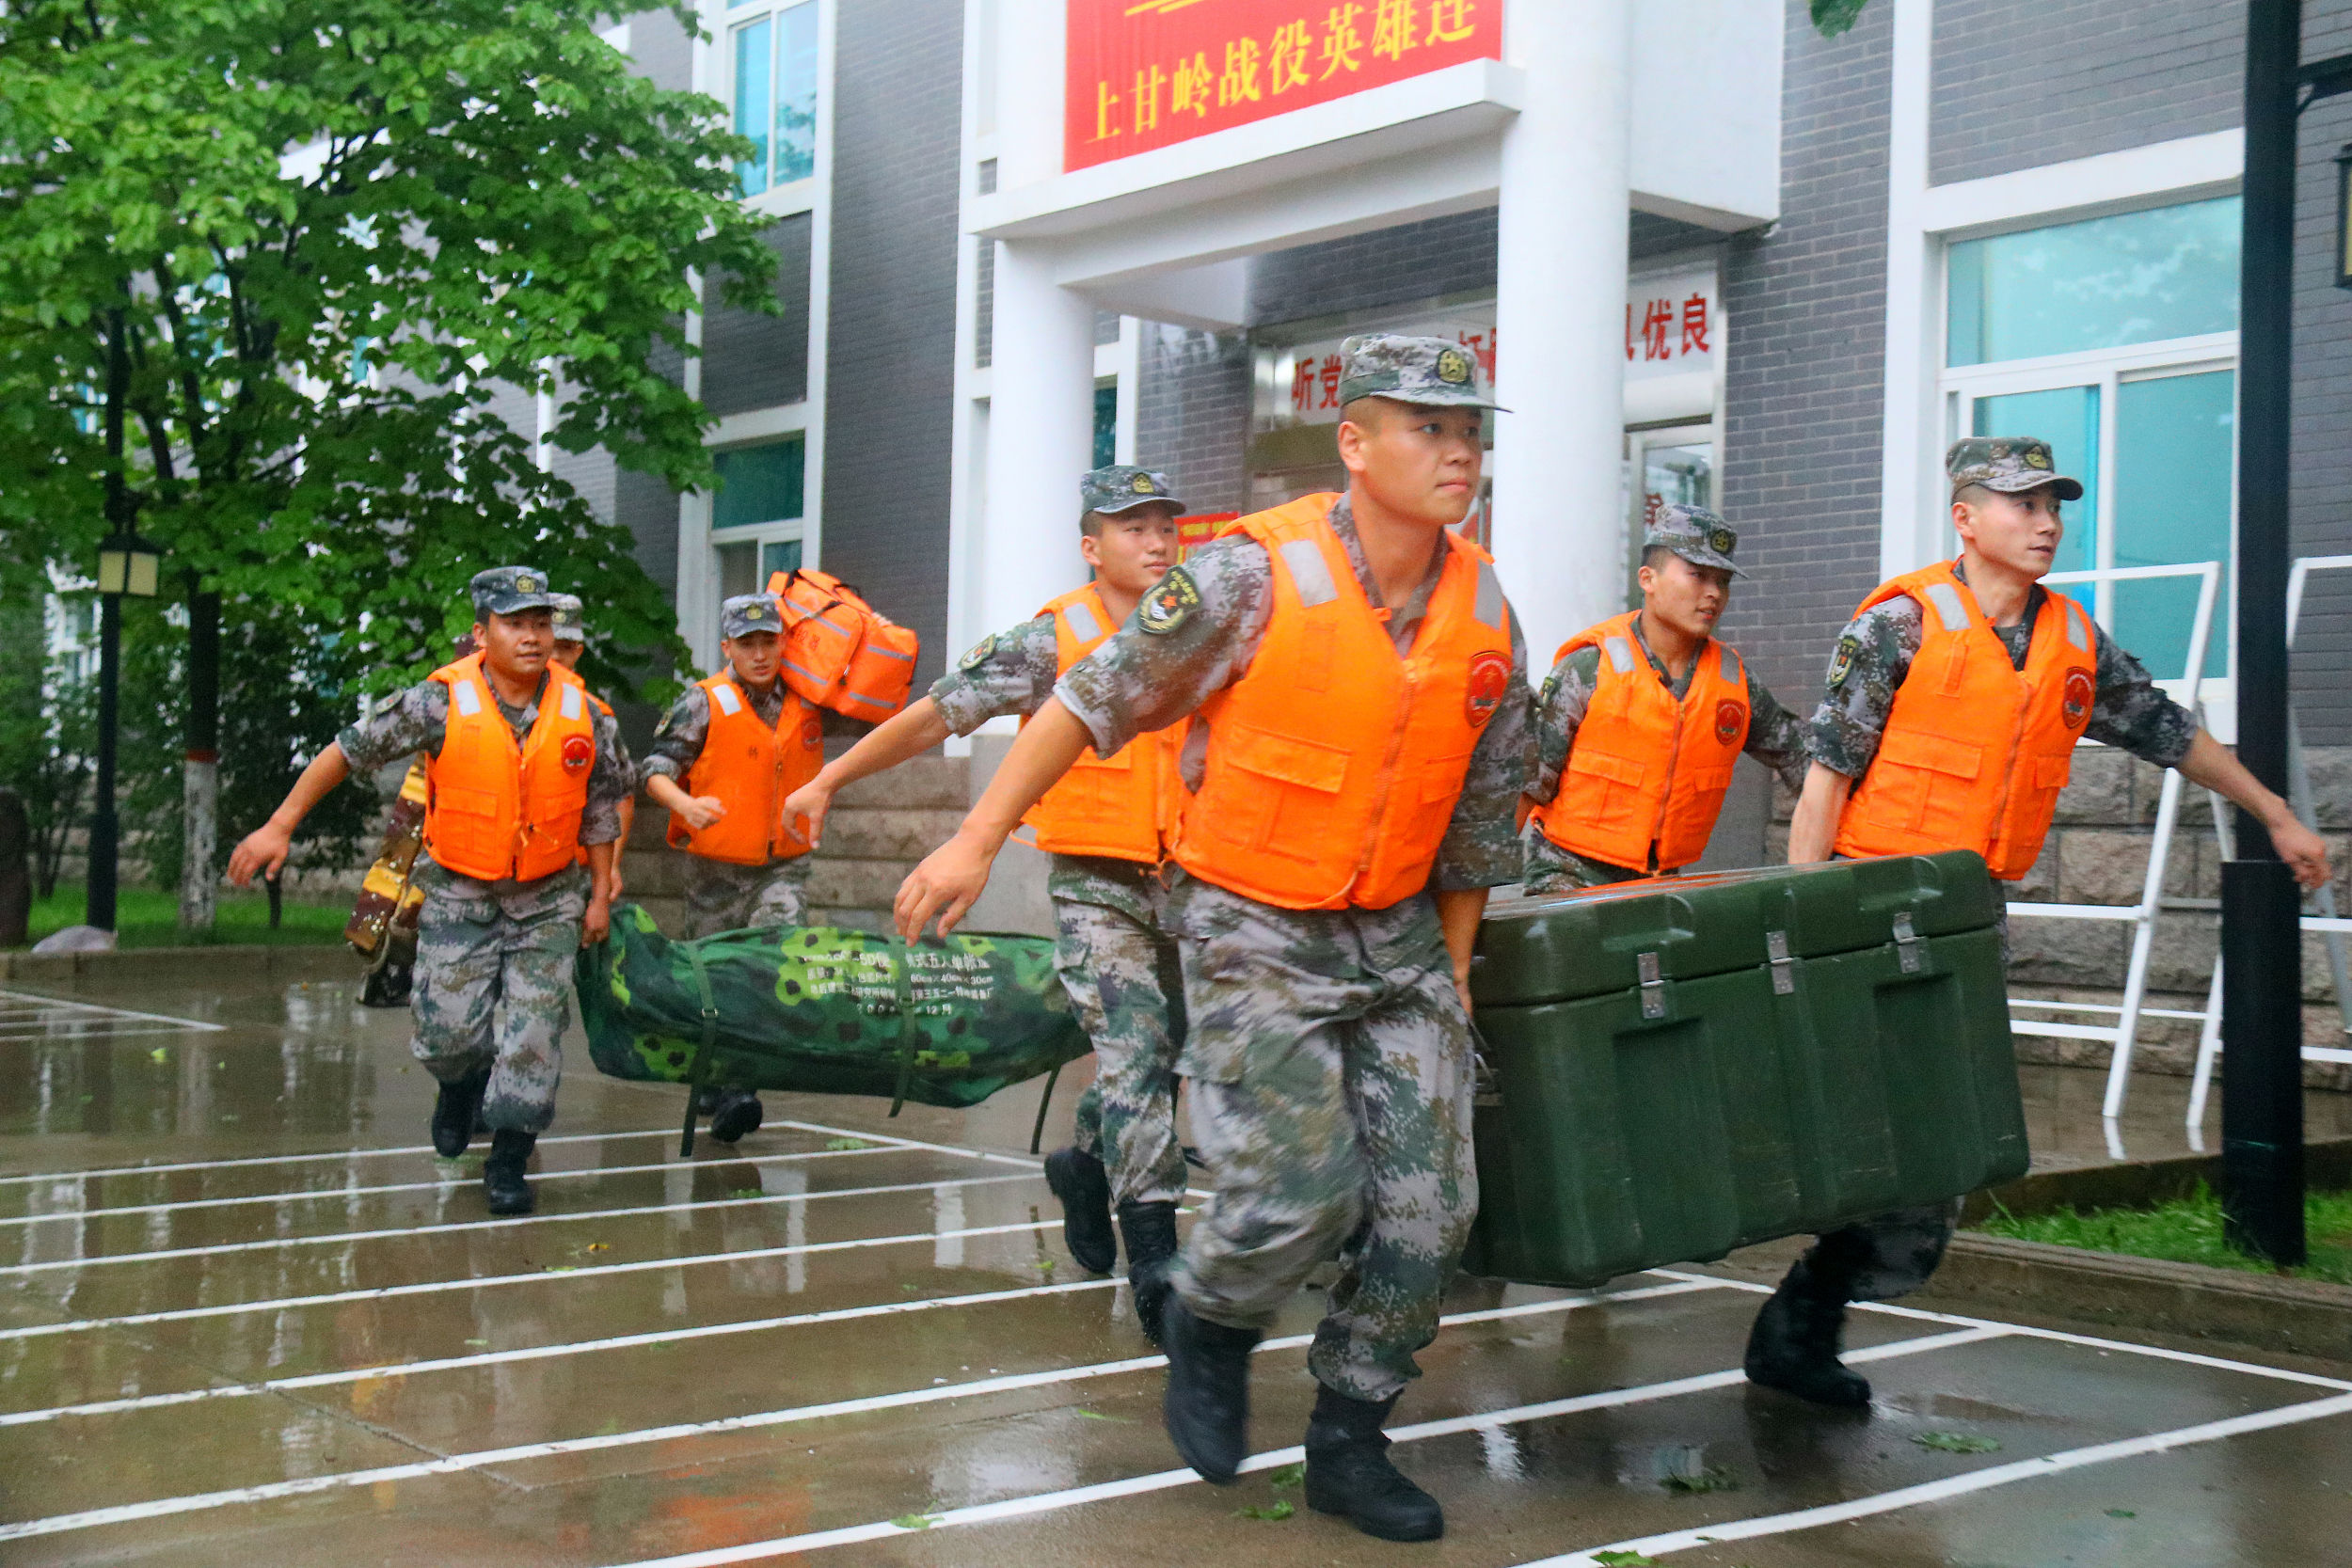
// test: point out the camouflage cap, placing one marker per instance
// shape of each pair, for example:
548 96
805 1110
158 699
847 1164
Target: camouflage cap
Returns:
749 613
504 590
1695 534
1432 371
571 624
2008 463
1124 485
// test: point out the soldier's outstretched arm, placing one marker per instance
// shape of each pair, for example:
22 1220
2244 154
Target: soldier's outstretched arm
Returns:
2210 762
1813 830
265 849
953 876
908 732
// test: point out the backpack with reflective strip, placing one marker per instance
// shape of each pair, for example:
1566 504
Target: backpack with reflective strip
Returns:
839 651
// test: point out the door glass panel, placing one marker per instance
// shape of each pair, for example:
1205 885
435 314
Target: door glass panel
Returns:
758 484
738 569
1105 426
1676 476
2068 419
2136 277
795 96
755 91
2173 487
777 555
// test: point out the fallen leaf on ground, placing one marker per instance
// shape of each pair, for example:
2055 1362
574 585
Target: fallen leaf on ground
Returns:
1287 1477
838 1145
1623 1559
1278 1509
1956 1442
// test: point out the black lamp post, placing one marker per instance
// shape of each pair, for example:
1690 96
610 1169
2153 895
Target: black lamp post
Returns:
126 564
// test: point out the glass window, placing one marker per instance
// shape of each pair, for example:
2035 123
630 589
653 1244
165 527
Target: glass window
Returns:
775 96
2175 436
2137 277
758 484
754 93
1105 426
2068 419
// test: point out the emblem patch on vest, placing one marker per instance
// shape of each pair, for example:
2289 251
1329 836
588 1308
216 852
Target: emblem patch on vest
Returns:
978 655
1170 605
1730 718
811 734
2077 697
1490 677
579 751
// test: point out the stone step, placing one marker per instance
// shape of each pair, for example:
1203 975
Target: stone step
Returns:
932 782
858 884
867 834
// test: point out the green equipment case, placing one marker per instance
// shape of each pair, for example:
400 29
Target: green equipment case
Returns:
1681 1066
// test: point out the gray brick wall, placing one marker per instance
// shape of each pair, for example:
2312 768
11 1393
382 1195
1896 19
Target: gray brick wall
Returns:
752 361
1413 261
2019 83
663 52
891 359
1192 419
1807 307
2321 481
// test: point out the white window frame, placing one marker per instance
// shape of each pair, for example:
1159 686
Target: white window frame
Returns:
797 195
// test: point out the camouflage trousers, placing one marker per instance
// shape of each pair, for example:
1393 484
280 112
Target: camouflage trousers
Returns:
494 987
1331 1066
1887 1254
721 896
1117 961
1549 868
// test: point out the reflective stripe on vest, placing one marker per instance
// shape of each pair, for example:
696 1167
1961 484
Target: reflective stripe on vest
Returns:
499 811
1124 806
1645 770
753 768
1975 750
1335 762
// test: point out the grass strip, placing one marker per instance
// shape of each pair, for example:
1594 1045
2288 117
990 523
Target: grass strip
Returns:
149 917
2189 1230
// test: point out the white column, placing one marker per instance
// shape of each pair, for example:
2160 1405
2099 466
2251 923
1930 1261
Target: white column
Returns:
1041 437
1560 293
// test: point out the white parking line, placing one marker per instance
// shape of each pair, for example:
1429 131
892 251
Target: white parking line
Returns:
1046 1502
909 1143
27 999
538 1277
72 1030
345 1154
454 1179
61 1523
1960 1485
275 1242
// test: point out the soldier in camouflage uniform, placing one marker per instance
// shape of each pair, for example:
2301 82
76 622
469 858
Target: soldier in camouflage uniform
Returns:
1117 949
727 895
1776 737
2005 499
494 957
1328 1046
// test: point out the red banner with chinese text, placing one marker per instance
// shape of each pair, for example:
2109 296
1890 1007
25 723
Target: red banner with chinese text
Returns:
1198 528
1146 73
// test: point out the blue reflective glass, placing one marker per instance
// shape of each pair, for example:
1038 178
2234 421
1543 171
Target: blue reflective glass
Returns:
778 555
758 484
1105 426
2137 277
754 94
796 93
2173 442
2068 419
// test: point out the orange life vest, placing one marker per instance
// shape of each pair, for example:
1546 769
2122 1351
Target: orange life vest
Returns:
497 810
1124 806
1647 769
1334 764
1976 751
753 768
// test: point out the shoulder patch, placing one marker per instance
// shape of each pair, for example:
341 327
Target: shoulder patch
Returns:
1170 605
979 654
1841 662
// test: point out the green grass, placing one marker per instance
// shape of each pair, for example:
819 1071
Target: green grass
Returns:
2189 1231
149 917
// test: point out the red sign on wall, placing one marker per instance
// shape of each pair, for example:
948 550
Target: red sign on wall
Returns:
1146 73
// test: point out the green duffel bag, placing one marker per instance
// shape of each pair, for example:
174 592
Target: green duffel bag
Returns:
1677 1067
822 1009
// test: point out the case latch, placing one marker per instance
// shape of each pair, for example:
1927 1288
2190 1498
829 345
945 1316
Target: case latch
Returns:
1908 955
1784 967
1653 986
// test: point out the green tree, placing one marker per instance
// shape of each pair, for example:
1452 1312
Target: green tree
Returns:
48 726
267 267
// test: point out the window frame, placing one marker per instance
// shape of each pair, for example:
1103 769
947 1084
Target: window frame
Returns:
781 198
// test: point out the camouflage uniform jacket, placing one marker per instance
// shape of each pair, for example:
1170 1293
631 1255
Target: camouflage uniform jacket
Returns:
1152 673
1776 738
1874 654
417 719
679 740
1010 674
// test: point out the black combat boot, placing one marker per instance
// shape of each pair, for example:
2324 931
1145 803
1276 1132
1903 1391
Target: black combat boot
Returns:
736 1116
1150 1232
502 1180
1793 1346
455 1113
388 986
706 1098
1207 1407
1085 1193
1348 1471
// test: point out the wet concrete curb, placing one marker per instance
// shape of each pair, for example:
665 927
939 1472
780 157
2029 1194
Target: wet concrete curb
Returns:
2109 1290
323 961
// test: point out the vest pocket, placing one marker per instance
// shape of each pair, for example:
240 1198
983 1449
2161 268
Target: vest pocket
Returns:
1914 771
1609 790
1270 805
476 805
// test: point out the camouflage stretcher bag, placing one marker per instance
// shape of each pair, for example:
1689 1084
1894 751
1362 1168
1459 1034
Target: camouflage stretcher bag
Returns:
821 1009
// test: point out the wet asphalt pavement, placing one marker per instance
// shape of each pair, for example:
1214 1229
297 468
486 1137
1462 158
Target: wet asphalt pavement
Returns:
292 1335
